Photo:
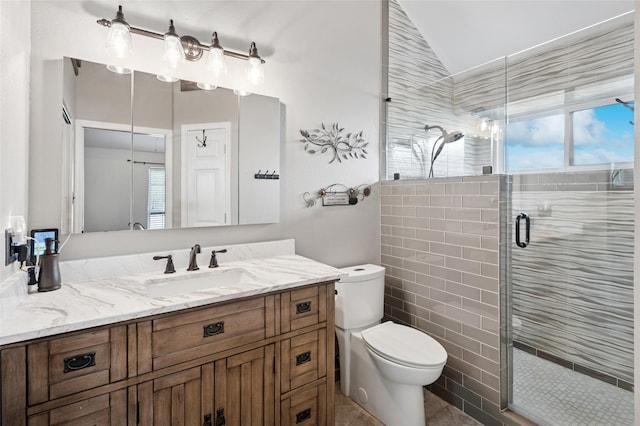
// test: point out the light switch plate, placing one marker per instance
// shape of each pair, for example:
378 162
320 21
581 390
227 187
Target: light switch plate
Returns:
8 255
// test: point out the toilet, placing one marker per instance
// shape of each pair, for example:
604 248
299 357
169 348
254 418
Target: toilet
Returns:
383 366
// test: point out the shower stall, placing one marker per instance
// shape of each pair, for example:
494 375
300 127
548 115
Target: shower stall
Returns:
556 123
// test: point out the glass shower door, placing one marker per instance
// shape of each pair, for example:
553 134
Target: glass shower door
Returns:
571 290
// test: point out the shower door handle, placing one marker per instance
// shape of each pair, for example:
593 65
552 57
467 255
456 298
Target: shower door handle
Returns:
527 223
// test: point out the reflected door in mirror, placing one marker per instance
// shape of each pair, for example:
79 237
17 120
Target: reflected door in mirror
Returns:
205 174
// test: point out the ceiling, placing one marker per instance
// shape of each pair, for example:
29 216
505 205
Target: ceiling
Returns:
468 33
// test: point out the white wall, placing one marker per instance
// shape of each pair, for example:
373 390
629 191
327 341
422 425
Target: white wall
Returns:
323 62
14 104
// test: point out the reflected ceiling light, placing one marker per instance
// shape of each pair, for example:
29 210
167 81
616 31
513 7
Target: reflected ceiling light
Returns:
119 70
180 48
167 78
119 42
206 86
241 92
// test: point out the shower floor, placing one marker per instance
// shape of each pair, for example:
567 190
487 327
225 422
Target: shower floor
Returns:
550 394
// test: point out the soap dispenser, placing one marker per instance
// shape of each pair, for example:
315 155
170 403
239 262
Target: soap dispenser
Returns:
49 278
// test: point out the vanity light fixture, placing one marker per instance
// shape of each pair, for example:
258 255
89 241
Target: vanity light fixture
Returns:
177 48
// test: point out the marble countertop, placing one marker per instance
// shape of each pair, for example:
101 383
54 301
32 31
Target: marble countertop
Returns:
94 302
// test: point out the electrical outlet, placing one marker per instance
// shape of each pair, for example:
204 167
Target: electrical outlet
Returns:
9 258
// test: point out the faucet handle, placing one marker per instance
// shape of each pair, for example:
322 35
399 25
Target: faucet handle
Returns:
213 263
169 269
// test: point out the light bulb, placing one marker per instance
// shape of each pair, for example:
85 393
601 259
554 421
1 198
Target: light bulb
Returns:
255 71
119 42
216 63
173 50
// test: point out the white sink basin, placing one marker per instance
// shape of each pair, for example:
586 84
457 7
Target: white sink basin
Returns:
189 282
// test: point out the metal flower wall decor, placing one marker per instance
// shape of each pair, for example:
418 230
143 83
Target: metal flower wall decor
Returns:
333 140
337 194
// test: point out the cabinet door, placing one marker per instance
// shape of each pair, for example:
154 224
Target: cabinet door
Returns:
105 410
241 388
171 400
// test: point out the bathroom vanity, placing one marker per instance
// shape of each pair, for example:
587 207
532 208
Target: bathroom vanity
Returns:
259 353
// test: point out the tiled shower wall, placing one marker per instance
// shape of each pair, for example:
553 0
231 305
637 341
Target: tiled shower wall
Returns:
441 249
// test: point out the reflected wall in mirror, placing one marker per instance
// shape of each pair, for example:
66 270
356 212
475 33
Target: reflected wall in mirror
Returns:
146 154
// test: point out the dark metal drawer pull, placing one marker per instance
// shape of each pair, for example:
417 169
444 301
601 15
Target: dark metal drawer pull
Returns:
213 329
302 358
78 362
303 415
303 307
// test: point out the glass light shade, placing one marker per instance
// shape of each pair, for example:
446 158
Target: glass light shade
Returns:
119 42
173 50
255 71
216 63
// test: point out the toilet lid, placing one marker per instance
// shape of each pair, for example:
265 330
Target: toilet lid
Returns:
404 345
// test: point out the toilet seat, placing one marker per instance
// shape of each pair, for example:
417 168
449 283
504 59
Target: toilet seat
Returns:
404 345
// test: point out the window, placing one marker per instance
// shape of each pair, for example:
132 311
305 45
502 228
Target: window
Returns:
603 135
535 144
156 199
578 137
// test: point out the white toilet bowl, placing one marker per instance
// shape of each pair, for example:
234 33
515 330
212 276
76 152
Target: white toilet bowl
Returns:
384 366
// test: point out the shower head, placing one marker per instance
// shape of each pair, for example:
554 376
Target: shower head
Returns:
446 138
452 137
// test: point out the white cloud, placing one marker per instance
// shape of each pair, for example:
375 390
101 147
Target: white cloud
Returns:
587 129
537 132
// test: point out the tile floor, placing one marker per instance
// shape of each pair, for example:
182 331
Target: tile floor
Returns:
437 411
555 395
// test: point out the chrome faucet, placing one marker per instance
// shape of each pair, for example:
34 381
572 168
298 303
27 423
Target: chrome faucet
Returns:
193 265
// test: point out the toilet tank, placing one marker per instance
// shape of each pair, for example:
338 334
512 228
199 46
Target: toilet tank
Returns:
360 296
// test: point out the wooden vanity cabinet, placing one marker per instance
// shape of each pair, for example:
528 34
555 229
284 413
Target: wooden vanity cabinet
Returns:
264 360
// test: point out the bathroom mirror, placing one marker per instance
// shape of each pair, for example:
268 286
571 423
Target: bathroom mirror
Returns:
149 154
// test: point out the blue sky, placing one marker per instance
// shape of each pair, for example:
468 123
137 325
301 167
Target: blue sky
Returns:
601 136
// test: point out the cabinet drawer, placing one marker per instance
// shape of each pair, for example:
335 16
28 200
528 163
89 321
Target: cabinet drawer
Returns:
305 408
70 364
186 336
304 359
104 410
302 308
